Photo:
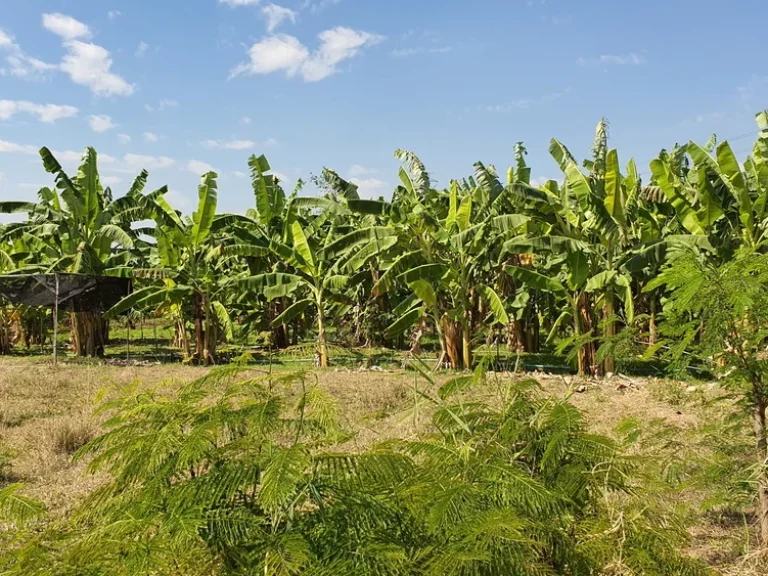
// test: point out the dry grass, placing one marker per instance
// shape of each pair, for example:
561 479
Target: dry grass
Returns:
45 416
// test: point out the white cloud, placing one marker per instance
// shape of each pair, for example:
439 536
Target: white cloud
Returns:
283 52
712 116
525 103
162 105
747 92
198 167
235 144
124 138
275 53
27 67
238 174
139 161
21 65
100 123
317 5
14 148
357 171
65 26
521 104
405 52
369 187
90 65
631 59
276 15
5 40
150 137
44 112
178 201
245 120
141 49
71 159
239 2
113 15
110 180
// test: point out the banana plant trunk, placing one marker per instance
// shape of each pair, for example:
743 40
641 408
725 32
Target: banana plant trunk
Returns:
584 325
205 333
180 338
466 346
609 362
652 321
88 332
451 345
198 316
418 335
322 343
279 333
5 332
516 341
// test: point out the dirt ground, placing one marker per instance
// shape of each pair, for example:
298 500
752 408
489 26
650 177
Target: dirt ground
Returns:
45 415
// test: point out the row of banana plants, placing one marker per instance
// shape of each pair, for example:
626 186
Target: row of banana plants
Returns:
491 258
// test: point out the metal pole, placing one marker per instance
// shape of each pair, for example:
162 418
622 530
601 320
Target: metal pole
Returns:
55 320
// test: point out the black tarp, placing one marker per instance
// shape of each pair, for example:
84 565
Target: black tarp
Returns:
77 292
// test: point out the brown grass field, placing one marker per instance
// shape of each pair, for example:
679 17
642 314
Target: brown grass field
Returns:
46 415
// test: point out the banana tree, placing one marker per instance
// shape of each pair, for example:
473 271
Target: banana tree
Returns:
718 196
77 227
583 228
189 273
322 265
7 264
446 243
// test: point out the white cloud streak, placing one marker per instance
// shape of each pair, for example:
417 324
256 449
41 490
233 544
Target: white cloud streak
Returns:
236 144
276 15
20 65
406 52
198 167
14 148
100 123
138 161
65 26
631 59
162 105
369 187
86 63
90 65
286 53
44 112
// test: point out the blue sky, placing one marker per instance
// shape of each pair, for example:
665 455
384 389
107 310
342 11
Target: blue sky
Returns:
177 86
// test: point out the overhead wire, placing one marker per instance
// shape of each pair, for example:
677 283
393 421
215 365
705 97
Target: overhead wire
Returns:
646 172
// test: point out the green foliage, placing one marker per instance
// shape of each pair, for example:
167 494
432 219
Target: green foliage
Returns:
240 476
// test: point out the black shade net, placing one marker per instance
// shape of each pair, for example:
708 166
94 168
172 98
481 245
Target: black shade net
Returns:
77 292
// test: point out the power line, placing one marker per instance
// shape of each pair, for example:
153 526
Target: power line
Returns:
646 172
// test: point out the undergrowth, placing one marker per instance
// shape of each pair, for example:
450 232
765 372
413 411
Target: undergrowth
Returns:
236 475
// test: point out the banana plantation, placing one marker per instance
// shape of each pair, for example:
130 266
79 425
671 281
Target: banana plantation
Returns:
492 259
246 471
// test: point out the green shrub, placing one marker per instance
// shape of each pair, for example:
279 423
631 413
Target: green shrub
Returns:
229 477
